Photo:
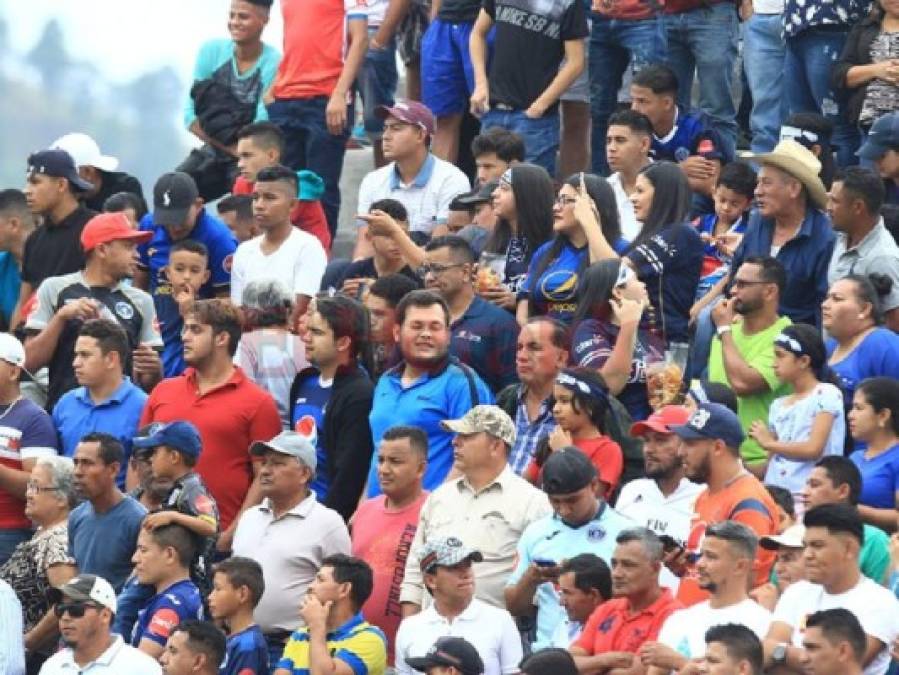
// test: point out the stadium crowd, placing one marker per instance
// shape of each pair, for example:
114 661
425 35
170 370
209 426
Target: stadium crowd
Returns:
609 383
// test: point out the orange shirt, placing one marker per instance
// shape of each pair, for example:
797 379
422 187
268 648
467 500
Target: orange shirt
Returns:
745 500
612 627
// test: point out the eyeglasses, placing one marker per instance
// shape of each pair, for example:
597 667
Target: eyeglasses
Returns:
436 269
563 200
743 283
31 486
76 610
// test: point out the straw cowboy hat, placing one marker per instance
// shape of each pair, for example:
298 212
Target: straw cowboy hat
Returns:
796 160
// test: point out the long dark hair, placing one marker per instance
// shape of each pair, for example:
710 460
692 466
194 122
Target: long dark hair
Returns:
670 199
534 196
809 338
594 290
871 289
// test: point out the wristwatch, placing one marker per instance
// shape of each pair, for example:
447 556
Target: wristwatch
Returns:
721 330
779 654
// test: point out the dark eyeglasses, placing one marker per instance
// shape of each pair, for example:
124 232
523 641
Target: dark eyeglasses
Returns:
436 269
743 283
75 609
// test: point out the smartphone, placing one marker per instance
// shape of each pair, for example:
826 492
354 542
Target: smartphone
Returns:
544 562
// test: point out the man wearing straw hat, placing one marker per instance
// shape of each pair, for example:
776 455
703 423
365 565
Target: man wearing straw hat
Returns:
790 225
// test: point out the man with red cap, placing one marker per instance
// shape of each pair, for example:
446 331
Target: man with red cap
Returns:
98 291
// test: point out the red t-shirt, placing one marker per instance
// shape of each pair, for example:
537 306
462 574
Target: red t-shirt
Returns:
229 418
605 454
309 216
382 537
746 501
612 627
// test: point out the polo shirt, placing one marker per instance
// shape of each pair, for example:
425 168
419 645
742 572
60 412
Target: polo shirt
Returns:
357 643
529 431
876 253
444 394
54 249
229 418
805 257
119 658
551 539
613 628
485 337
426 198
76 414
155 622
290 549
490 630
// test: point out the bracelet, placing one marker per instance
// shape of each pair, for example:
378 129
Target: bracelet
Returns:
721 330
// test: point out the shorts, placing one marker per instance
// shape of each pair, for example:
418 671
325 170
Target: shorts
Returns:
447 77
579 90
377 82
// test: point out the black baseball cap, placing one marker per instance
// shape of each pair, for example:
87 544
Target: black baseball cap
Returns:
455 652
567 470
58 164
173 195
481 195
551 661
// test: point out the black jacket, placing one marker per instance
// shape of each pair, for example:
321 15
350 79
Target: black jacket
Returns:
346 435
856 52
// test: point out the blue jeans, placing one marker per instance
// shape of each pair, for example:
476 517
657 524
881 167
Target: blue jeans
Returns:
810 59
764 51
704 41
377 83
541 136
309 145
614 45
9 540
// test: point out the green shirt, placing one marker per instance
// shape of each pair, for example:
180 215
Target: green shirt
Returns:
758 351
874 558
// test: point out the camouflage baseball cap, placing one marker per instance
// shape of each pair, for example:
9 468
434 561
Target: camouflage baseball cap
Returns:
446 552
489 418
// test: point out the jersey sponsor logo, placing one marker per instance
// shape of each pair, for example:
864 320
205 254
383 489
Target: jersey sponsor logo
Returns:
124 310
203 504
164 622
705 145
227 262
559 286
606 625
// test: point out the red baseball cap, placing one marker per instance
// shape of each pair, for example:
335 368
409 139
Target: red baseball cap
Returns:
662 420
108 227
410 112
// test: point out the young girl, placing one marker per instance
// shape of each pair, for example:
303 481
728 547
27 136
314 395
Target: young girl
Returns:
580 406
807 424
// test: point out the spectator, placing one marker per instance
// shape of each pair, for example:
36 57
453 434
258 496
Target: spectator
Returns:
495 150
282 251
489 493
426 370
99 291
381 301
43 561
335 637
667 254
310 102
725 570
789 566
833 537
384 526
482 334
106 400
858 346
236 211
813 132
615 334
128 203
268 352
637 612
733 649
874 420
449 655
237 586
710 452
764 51
333 397
195 648
423 183
585 583
585 222
704 391
525 79
786 506
789 191
210 385
551 661
261 145
743 354
12 648
834 643
162 560
16 225
448 572
85 606
837 480
881 147
541 353
290 534
481 216
628 143
581 522
863 245
99 170
26 435
103 529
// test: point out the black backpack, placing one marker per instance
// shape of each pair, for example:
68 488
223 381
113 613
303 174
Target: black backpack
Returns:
220 113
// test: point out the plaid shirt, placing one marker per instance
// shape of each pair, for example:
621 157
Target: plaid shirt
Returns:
527 433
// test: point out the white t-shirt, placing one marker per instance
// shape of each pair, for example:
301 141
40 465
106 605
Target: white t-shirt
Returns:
684 631
119 658
630 226
299 263
874 606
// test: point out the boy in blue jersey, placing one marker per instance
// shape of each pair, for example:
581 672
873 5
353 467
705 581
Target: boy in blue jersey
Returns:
187 271
237 585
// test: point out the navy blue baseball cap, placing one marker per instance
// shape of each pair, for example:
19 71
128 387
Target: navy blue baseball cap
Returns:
884 135
713 421
181 435
58 164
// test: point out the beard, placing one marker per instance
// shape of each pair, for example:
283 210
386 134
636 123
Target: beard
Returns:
427 363
663 470
744 307
701 473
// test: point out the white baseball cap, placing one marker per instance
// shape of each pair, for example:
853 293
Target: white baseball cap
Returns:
86 588
85 151
11 350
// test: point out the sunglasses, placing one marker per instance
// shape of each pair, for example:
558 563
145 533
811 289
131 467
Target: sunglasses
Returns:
76 610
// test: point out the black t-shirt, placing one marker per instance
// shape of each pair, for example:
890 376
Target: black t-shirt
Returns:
459 11
54 249
365 269
529 46
113 183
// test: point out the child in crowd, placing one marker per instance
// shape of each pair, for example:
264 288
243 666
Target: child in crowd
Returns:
187 271
581 402
807 424
237 585
786 507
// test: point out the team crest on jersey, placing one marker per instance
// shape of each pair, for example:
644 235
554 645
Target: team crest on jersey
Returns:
596 533
681 154
124 310
226 263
